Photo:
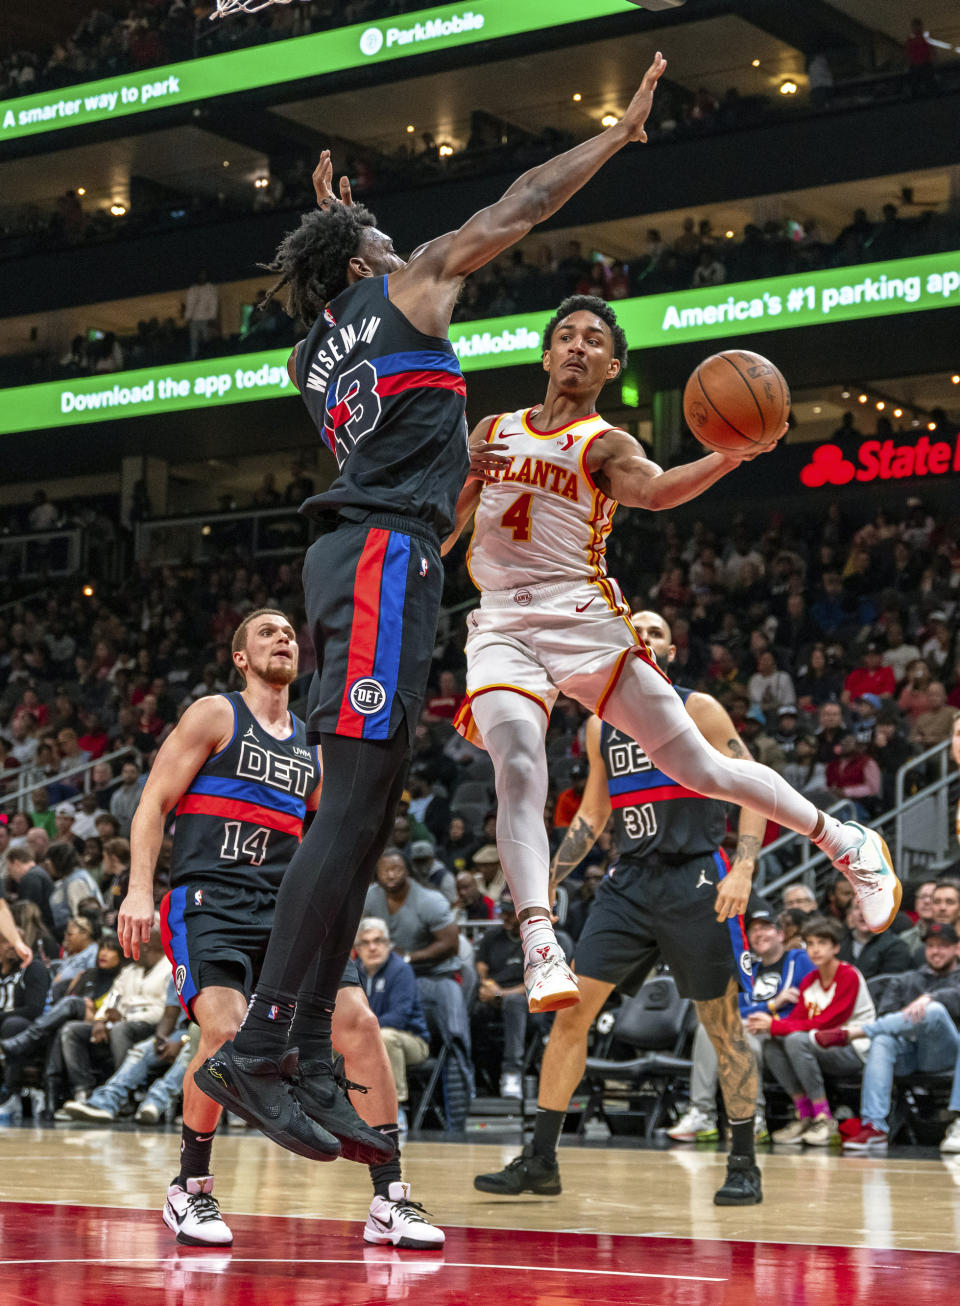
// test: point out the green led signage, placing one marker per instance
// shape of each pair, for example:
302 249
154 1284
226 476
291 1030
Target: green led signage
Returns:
715 314
277 62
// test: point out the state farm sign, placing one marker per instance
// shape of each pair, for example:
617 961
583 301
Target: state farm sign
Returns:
881 460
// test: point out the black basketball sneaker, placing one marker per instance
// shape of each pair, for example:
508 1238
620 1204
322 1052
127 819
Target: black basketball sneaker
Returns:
258 1090
320 1088
527 1173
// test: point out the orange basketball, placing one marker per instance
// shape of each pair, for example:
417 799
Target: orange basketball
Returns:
736 401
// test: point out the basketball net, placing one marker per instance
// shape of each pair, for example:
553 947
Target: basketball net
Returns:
226 7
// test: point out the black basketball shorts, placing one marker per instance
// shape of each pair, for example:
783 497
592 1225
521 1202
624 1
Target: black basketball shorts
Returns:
372 592
647 913
216 935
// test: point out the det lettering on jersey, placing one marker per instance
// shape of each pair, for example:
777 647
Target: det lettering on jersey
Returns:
336 348
257 763
626 758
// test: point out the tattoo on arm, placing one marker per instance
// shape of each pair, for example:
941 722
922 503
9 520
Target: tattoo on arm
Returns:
736 1067
577 842
748 847
735 748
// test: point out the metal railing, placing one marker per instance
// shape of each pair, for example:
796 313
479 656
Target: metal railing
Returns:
42 553
199 537
31 780
804 871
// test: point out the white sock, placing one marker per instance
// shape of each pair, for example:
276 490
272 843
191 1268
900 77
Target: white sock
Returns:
536 932
835 838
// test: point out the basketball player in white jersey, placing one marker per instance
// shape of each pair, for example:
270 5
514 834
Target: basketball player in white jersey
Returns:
545 483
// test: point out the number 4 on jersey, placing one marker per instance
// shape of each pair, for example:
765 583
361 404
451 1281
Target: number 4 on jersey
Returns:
517 518
254 847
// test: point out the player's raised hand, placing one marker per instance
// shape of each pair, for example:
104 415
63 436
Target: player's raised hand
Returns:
488 462
323 183
135 922
639 108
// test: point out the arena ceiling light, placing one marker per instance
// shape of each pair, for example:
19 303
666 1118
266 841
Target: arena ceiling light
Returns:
609 120
789 87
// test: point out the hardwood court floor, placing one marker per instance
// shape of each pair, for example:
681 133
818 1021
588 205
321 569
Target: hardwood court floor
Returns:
80 1224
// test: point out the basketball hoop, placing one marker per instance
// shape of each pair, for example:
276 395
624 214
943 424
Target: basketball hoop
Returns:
226 7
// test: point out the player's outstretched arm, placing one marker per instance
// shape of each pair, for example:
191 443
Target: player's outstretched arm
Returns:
592 814
204 728
533 197
733 893
623 471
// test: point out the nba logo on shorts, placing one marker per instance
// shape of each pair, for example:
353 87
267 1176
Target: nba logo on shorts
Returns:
198 898
179 979
274 1012
424 566
367 696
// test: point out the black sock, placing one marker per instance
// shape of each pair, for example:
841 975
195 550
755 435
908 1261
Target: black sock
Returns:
195 1152
547 1128
741 1132
389 1172
266 1025
310 1030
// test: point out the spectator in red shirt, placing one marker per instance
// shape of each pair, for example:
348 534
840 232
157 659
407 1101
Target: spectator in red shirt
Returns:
830 996
445 703
854 774
94 738
871 677
569 800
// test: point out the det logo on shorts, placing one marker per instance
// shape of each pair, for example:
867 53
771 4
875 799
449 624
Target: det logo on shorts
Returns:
367 696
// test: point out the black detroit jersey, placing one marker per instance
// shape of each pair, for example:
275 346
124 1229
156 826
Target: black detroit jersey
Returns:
653 813
390 403
240 819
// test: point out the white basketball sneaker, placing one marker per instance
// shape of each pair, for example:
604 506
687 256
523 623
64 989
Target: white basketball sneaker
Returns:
399 1221
549 981
193 1214
868 866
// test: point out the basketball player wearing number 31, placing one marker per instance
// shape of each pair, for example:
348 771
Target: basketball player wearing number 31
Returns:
551 621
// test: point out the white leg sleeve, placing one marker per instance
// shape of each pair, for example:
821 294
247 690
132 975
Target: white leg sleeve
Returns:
514 731
647 709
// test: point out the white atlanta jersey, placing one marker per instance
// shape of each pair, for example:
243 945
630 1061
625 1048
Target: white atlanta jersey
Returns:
544 519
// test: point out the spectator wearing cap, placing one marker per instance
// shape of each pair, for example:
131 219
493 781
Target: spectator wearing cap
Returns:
830 996
569 799
916 1030
428 869
870 677
853 774
786 734
873 954
864 716
31 882
777 973
65 815
488 872
935 724
391 989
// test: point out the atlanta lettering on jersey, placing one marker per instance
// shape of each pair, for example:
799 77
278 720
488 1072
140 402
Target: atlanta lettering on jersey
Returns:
545 475
336 346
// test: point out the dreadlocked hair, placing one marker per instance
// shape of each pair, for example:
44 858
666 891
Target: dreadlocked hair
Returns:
590 304
312 260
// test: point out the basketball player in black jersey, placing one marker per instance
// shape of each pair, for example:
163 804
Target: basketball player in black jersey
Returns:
242 779
672 896
382 383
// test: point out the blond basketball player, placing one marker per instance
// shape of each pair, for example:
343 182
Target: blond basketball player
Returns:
545 483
